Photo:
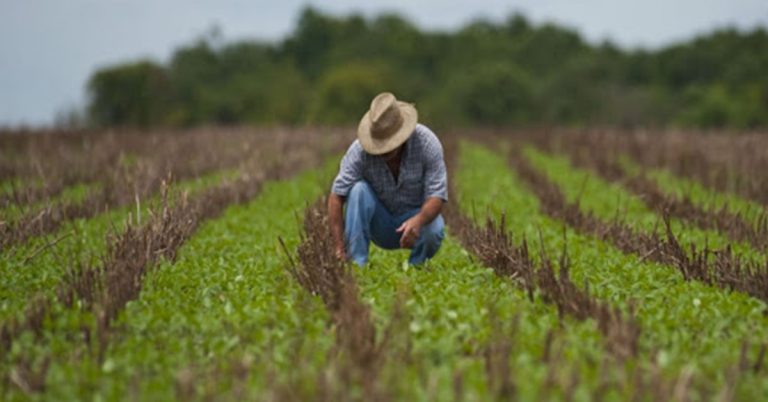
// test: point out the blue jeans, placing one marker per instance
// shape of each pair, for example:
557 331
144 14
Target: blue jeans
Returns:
367 220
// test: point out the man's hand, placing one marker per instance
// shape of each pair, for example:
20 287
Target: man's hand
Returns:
340 253
409 231
411 228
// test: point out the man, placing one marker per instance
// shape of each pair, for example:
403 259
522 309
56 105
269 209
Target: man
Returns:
394 182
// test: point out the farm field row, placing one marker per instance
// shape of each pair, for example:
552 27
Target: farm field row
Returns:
609 201
723 162
704 197
43 165
713 246
58 177
71 194
34 268
683 323
176 324
226 320
224 302
75 314
679 198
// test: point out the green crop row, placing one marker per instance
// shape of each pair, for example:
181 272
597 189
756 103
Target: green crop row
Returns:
228 295
228 299
610 201
72 194
8 185
700 195
38 266
684 324
452 303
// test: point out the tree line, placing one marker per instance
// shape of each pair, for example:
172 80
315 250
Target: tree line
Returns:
484 74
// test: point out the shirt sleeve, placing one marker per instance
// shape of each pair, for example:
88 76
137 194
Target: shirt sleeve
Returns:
350 171
435 172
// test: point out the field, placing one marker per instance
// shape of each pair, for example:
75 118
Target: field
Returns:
197 265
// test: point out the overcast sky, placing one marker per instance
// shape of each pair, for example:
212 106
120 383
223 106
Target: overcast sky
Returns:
48 48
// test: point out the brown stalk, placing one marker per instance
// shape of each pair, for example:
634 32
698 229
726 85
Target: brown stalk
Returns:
361 352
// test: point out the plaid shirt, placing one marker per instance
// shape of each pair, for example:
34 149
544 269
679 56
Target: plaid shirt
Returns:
422 173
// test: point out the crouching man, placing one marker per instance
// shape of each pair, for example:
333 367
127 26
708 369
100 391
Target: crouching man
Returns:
394 183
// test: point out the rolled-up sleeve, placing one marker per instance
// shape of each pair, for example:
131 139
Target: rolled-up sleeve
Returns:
435 173
350 171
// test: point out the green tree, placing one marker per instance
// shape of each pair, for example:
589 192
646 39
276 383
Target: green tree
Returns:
344 93
486 73
133 94
489 94
195 73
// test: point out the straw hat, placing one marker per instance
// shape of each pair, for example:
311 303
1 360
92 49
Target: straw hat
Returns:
387 125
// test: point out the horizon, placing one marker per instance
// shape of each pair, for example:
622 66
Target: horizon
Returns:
35 92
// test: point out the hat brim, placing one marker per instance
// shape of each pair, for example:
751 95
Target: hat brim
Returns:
375 146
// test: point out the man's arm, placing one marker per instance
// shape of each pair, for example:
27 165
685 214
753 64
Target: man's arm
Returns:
435 189
336 220
411 228
350 172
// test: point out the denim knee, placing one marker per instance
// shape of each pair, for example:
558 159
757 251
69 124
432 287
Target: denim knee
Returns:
359 190
361 201
433 233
